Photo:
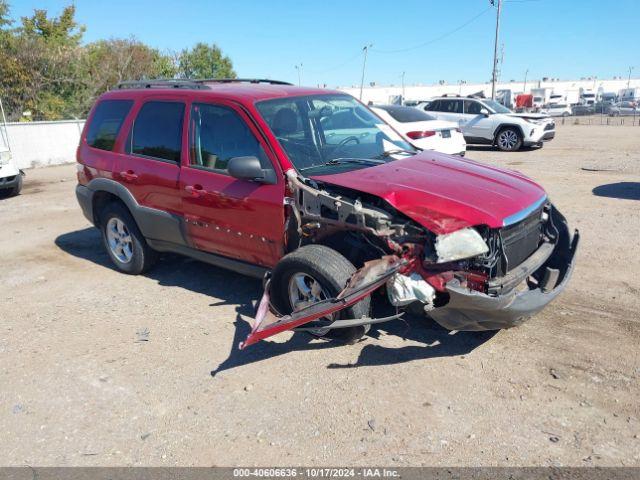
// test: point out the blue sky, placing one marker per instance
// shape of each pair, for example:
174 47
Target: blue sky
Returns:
554 38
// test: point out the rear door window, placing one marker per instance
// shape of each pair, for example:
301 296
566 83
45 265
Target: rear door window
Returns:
106 122
157 131
451 106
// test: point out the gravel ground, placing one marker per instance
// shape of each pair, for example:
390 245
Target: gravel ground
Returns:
101 368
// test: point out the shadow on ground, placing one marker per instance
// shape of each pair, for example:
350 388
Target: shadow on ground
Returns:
235 289
622 190
490 148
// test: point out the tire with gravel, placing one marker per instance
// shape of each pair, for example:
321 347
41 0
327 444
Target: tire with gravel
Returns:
509 139
124 242
13 191
313 273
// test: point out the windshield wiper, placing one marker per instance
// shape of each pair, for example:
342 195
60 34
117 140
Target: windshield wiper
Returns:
395 151
341 161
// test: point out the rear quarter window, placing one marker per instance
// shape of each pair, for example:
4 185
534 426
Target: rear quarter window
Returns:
106 122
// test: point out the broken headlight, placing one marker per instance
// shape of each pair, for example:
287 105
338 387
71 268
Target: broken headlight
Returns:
464 243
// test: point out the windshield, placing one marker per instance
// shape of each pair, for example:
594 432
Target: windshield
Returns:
496 107
324 134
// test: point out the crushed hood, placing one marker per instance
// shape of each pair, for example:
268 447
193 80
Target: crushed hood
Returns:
444 193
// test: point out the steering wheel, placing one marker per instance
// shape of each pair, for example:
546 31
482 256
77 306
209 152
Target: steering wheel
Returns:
343 143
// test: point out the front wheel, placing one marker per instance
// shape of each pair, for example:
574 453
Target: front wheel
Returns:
313 273
509 139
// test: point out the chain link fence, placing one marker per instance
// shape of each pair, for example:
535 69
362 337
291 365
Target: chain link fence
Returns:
630 120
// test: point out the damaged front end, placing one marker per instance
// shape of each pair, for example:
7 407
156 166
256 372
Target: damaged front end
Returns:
475 278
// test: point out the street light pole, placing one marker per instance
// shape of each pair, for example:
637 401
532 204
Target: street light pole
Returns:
402 86
495 50
629 78
524 87
365 49
299 69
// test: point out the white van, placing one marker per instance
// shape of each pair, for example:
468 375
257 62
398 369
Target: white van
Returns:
10 175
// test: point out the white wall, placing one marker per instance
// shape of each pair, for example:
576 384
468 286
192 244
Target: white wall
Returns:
37 144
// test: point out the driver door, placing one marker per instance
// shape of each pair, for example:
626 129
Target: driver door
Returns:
240 219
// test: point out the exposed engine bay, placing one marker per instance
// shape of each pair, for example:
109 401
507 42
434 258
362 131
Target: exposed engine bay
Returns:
413 263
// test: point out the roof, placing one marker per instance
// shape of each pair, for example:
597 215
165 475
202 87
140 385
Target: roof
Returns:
238 91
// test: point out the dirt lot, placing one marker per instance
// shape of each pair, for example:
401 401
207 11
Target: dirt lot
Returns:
100 368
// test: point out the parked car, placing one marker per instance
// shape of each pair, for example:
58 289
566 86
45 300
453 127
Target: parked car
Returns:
581 110
423 130
484 121
10 175
558 110
621 109
309 190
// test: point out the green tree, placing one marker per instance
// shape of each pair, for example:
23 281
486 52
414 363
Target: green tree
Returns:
205 61
107 62
63 29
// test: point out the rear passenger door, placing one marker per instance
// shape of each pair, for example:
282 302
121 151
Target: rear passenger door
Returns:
240 219
150 166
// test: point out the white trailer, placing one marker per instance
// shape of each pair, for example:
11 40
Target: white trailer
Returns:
629 95
10 175
541 96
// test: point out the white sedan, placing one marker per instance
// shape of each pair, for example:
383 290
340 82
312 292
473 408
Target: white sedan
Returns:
423 130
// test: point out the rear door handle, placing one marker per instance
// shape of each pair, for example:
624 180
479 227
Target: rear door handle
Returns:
128 176
195 190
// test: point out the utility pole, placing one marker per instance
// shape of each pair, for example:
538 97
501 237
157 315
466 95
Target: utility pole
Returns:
629 77
495 49
524 87
402 86
299 69
365 49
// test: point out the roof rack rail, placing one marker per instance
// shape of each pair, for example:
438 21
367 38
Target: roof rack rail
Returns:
161 83
194 84
456 95
242 80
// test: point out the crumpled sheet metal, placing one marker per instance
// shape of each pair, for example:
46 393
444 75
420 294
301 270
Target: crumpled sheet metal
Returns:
362 283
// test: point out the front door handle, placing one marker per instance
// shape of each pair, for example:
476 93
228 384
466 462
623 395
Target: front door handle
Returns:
129 176
195 190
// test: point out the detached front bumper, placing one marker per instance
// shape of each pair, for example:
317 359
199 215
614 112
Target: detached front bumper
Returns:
473 311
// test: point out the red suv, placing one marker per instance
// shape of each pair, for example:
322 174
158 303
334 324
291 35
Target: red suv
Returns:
310 190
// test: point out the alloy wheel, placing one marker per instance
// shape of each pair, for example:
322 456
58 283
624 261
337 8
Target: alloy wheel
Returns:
508 140
119 240
304 290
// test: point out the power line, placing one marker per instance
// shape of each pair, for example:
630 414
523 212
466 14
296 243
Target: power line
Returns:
444 35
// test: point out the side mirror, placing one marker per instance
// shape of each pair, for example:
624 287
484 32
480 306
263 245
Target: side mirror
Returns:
484 112
249 168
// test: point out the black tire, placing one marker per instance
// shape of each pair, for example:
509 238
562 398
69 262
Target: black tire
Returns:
509 133
13 191
332 271
143 257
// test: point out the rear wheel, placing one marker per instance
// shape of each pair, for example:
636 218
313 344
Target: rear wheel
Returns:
124 242
509 139
313 273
